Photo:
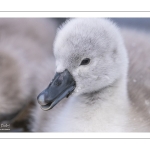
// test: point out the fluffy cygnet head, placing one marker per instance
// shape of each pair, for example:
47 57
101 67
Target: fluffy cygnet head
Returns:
93 53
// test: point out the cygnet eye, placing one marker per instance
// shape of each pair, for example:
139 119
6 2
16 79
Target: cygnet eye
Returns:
85 61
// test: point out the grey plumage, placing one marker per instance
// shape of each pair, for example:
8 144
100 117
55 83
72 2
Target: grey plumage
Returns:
100 101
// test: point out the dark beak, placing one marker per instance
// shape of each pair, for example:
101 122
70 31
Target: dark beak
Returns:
61 86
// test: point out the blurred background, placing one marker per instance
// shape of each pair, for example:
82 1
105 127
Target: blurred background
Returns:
137 23
27 65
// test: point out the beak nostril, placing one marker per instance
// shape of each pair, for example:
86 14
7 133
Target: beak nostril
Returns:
57 82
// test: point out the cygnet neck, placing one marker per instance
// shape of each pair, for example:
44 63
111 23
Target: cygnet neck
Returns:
108 108
116 92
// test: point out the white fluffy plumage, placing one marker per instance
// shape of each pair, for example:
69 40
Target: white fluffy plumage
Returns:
100 102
